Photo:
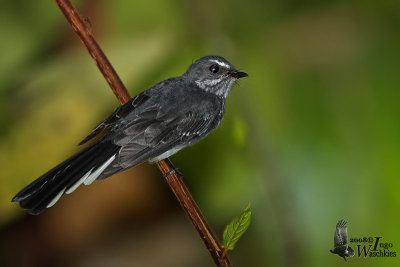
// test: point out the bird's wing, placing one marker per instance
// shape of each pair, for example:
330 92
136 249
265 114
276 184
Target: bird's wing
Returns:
350 251
119 113
340 238
148 138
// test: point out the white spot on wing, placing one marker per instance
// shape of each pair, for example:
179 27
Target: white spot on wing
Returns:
55 199
78 183
97 172
222 64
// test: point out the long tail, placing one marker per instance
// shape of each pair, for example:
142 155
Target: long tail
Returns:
83 167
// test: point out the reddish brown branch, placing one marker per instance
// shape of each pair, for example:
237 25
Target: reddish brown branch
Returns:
192 210
85 34
174 181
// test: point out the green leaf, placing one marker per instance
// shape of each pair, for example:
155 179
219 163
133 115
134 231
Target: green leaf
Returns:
235 229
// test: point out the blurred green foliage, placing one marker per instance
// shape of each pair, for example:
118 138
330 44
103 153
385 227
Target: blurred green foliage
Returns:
310 137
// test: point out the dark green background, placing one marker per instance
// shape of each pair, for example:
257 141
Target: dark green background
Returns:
310 137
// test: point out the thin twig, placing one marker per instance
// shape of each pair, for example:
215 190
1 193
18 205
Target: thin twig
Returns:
192 210
174 181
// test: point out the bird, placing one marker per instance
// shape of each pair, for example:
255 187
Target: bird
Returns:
153 125
341 246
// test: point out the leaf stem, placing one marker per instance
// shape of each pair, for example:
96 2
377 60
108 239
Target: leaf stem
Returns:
224 252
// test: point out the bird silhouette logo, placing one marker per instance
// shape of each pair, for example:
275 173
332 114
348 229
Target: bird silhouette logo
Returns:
342 247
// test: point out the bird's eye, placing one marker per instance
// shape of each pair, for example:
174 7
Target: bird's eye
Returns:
214 68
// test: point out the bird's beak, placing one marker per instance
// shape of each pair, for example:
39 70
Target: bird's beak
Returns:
238 74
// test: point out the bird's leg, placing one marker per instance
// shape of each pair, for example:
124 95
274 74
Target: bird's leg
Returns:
172 171
344 257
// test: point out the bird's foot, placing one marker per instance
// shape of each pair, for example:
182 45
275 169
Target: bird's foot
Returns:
173 171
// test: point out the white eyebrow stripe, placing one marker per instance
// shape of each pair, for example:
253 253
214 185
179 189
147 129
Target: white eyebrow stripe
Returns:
222 64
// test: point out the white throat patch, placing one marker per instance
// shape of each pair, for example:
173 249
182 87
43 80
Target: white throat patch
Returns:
204 84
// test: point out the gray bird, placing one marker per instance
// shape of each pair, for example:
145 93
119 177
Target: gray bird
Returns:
340 241
152 126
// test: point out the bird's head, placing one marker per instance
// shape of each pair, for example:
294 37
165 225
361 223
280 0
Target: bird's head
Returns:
214 74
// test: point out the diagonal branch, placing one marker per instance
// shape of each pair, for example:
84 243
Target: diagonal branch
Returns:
172 177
